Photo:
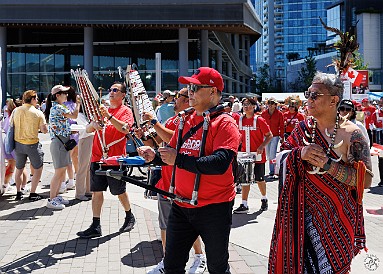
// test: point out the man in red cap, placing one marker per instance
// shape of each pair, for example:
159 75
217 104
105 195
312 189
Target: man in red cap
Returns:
368 110
211 218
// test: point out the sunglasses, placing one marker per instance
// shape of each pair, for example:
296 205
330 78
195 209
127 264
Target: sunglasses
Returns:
246 104
115 90
348 109
194 88
313 95
178 95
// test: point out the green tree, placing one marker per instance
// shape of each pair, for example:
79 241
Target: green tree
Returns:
263 79
306 75
359 62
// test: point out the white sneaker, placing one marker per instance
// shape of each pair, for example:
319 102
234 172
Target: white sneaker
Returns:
54 204
159 269
199 264
61 200
26 189
62 188
6 188
12 182
70 185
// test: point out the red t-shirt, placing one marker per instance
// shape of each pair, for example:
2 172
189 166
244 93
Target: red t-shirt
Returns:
291 120
223 133
166 172
377 118
257 136
275 122
122 113
368 113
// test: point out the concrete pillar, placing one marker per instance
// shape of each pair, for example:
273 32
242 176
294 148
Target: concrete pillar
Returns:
3 65
229 87
183 52
236 42
204 48
237 83
88 51
219 60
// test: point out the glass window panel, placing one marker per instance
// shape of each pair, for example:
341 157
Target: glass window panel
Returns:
96 63
17 85
107 63
170 80
32 82
122 62
46 83
150 64
47 62
59 62
104 80
9 61
76 61
149 81
18 62
59 79
32 62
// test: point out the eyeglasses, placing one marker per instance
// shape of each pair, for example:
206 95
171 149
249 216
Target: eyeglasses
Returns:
348 109
246 104
115 90
313 95
194 88
178 95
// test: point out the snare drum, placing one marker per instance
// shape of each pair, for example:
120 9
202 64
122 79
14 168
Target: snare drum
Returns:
247 160
377 136
154 175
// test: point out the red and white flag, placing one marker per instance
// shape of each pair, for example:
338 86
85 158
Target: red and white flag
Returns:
353 76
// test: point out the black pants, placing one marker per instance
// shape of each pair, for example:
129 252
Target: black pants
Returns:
370 136
212 223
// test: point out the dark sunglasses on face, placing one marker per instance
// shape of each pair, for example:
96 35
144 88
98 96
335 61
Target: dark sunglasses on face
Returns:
313 95
178 95
115 90
194 88
348 109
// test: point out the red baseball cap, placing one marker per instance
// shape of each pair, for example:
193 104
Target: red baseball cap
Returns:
204 76
365 100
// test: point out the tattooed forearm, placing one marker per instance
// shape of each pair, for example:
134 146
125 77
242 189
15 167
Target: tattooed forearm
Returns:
359 149
344 174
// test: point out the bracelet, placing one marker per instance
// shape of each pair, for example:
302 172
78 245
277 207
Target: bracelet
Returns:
110 117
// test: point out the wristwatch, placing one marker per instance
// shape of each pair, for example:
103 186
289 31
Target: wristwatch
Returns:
153 122
326 166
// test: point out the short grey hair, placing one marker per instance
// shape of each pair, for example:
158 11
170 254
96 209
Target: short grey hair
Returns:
332 83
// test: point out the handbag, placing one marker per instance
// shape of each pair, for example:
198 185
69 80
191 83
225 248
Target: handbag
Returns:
71 144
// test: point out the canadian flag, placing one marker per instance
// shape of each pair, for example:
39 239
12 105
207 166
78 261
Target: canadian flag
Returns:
353 76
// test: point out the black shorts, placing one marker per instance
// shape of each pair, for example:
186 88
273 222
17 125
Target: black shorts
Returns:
259 172
101 182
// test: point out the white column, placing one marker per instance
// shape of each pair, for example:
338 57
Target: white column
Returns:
158 72
3 74
88 51
183 52
204 48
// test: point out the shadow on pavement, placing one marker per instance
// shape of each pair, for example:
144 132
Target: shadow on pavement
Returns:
245 219
52 254
32 213
141 255
376 190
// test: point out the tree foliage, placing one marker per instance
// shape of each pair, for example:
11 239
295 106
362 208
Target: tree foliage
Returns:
263 79
306 76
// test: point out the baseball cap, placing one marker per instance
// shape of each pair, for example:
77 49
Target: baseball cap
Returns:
347 103
364 100
168 93
204 76
272 100
59 88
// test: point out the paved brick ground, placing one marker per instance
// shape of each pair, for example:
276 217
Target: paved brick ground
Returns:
34 238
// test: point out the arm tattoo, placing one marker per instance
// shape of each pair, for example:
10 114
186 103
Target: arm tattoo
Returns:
359 151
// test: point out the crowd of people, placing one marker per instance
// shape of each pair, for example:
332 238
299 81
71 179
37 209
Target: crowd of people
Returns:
324 141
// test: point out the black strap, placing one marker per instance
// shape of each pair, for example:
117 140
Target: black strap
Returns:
59 138
194 129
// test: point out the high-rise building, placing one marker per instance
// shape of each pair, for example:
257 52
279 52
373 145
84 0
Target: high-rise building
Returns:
291 28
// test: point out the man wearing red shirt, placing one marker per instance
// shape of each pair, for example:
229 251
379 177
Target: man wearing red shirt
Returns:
274 118
165 132
119 119
256 135
292 117
368 114
211 218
